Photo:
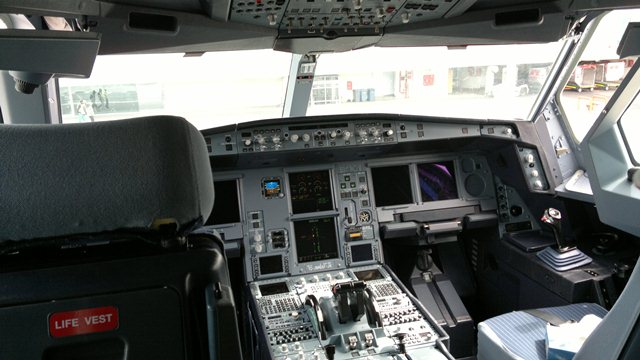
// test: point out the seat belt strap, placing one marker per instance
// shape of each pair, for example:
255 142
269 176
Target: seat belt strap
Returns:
548 317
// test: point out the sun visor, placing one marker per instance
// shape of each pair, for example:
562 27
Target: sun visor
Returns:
630 43
63 53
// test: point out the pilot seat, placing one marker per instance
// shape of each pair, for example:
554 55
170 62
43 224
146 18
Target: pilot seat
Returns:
98 254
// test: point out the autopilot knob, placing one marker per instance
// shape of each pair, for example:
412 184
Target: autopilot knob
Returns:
553 218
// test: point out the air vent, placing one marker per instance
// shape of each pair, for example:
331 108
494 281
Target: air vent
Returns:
519 17
142 21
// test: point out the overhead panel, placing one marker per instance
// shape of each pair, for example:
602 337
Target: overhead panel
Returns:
336 18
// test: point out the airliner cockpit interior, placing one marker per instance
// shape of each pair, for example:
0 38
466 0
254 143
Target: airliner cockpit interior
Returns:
319 179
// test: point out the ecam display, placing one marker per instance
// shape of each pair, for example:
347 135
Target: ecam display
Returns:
310 191
316 239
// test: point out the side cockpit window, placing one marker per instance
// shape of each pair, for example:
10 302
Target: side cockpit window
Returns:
598 74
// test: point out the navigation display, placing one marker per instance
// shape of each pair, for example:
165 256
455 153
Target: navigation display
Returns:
310 191
316 239
226 207
391 185
437 181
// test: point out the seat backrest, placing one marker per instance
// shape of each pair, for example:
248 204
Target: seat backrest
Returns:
97 258
616 337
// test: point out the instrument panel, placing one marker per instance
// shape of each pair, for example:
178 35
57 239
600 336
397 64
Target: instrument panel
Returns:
310 223
306 219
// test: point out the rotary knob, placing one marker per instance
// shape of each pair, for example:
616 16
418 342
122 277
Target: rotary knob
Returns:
535 173
275 139
260 140
374 132
333 135
537 184
529 159
294 138
388 132
346 135
306 137
248 142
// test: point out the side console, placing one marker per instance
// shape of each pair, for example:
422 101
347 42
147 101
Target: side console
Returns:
362 312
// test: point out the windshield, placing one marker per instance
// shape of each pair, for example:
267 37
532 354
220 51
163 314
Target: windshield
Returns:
215 89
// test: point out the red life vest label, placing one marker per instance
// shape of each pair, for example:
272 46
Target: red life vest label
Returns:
85 321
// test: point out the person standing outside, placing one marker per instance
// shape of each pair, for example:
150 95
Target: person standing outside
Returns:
82 111
90 113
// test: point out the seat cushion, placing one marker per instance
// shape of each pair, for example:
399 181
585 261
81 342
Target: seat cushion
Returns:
519 335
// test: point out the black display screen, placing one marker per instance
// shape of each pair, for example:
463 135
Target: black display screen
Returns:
273 289
367 275
316 239
270 264
310 191
226 207
437 181
361 253
391 185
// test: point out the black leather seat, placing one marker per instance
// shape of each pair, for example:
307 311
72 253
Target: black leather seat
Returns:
97 255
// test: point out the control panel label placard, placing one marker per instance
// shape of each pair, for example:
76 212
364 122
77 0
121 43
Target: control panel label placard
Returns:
85 321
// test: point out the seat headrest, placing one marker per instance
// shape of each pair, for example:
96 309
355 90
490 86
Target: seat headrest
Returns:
59 180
